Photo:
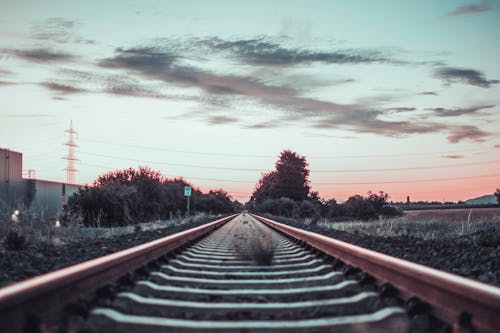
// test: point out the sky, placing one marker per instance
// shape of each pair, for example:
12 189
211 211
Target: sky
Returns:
399 96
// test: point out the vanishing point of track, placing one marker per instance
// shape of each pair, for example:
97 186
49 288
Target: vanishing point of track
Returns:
245 273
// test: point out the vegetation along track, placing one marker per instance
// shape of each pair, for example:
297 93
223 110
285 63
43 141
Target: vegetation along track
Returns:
246 273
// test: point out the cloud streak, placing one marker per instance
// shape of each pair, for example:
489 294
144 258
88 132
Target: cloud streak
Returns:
443 112
468 10
463 75
62 88
467 132
40 55
160 64
400 109
220 120
453 156
263 51
6 83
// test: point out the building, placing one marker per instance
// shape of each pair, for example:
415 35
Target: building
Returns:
43 197
47 197
11 180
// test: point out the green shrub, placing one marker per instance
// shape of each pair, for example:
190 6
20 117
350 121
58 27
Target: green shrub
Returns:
129 196
14 240
307 209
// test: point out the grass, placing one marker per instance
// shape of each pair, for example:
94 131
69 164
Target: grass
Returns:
439 225
254 242
32 229
261 247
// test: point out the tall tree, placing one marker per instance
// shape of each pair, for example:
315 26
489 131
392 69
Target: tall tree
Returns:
290 179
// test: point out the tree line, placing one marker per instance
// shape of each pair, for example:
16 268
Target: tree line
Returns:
286 191
130 196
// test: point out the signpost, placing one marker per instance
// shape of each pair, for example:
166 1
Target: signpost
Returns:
187 193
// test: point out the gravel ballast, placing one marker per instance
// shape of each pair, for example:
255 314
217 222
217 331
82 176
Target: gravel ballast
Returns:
476 255
41 257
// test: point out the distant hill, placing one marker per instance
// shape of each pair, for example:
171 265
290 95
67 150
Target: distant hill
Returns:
483 200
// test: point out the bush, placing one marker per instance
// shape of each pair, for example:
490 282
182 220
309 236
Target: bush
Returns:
359 208
281 207
14 240
307 209
129 196
391 211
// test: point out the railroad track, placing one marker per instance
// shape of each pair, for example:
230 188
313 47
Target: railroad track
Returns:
246 273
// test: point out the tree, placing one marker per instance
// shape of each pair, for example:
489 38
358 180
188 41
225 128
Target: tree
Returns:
264 188
378 201
497 194
130 196
292 176
307 209
216 202
281 207
290 179
359 208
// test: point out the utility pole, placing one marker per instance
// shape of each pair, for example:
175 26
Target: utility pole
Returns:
70 157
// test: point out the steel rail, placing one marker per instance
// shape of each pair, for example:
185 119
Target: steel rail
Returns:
453 298
45 296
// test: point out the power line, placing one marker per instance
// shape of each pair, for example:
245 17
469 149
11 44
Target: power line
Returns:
312 170
331 183
411 168
173 164
176 150
428 180
275 156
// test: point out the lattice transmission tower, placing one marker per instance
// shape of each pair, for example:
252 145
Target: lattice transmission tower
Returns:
70 156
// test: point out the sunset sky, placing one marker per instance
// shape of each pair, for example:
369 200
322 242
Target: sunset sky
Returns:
400 96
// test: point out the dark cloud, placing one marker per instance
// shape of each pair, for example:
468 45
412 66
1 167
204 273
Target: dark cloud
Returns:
131 90
62 88
147 60
41 55
218 120
385 128
400 109
162 64
264 51
429 93
58 30
467 132
155 63
221 90
453 156
469 76
443 112
469 9
127 85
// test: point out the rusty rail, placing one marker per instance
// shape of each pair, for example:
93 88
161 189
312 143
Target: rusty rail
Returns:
46 295
452 297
